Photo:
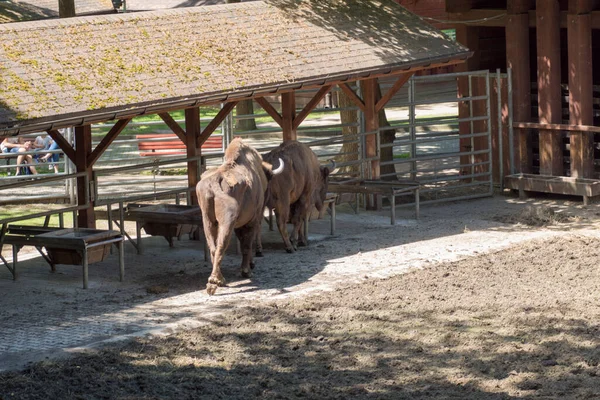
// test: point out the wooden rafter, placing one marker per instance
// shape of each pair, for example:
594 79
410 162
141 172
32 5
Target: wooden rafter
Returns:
393 90
64 145
353 96
311 105
107 140
264 103
173 125
210 128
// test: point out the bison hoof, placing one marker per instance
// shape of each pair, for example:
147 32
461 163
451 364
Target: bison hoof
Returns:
259 254
218 281
211 289
246 274
303 243
290 250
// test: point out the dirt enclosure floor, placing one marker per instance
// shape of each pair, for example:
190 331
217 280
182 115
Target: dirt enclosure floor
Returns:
486 299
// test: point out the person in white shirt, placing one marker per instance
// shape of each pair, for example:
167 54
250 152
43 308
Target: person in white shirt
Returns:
18 145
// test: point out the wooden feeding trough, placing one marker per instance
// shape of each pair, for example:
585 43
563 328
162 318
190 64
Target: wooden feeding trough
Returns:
72 246
587 188
167 220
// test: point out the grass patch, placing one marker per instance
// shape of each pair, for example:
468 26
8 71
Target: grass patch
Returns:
24 211
167 172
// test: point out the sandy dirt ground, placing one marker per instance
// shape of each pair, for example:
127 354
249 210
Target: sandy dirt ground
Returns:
486 299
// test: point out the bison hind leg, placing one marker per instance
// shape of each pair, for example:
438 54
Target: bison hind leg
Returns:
246 236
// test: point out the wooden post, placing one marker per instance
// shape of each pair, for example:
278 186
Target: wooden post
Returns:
288 114
192 127
580 87
517 59
369 95
83 150
549 90
66 8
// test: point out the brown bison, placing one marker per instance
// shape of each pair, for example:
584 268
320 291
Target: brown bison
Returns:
293 193
231 199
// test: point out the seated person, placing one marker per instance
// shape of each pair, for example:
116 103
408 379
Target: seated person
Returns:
17 145
50 144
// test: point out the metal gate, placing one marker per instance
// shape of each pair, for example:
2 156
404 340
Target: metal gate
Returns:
442 140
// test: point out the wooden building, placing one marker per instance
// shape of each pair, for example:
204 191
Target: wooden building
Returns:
549 46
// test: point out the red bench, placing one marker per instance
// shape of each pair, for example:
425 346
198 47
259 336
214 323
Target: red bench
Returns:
168 144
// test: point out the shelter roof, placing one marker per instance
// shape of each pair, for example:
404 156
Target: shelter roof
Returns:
18 11
68 72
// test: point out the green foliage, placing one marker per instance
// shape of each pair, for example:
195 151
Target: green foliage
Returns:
451 33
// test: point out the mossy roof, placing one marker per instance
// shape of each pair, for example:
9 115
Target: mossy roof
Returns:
67 72
22 10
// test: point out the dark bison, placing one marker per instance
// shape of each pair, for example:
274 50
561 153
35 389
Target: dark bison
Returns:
231 199
293 193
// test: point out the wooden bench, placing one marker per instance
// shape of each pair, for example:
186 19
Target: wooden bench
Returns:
169 144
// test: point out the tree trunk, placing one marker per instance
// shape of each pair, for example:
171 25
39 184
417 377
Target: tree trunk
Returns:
349 150
66 8
245 107
386 136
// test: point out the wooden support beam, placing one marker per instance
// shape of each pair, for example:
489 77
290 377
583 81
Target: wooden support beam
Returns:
517 59
214 124
311 105
83 150
549 85
288 114
107 140
353 96
193 149
369 92
556 127
402 79
173 125
580 88
66 8
580 7
498 18
64 145
269 109
514 7
455 6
